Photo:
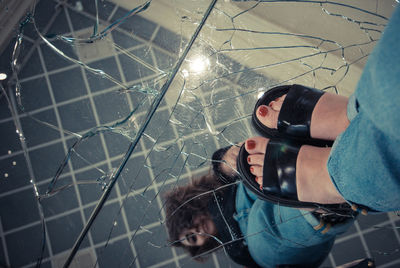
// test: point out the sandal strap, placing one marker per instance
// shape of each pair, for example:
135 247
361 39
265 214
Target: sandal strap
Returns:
295 115
279 171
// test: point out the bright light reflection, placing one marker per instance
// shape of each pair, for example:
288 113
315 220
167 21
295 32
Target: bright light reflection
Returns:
185 73
3 76
199 64
260 94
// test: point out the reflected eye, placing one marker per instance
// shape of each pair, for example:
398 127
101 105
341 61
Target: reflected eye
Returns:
191 238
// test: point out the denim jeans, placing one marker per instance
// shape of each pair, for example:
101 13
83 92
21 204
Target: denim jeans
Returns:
281 235
364 164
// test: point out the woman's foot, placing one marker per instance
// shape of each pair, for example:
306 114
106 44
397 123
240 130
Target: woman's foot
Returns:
312 178
329 117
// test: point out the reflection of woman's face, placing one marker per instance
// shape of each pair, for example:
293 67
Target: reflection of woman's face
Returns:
229 168
197 236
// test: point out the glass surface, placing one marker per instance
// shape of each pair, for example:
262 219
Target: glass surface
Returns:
122 101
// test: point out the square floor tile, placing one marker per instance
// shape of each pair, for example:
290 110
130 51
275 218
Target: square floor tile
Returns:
141 211
77 116
125 40
383 244
80 21
46 161
62 200
136 24
68 84
53 60
64 231
147 253
133 69
90 187
88 152
105 8
107 65
37 131
17 173
349 250
35 94
108 224
9 138
29 241
135 175
18 209
112 106
169 40
121 248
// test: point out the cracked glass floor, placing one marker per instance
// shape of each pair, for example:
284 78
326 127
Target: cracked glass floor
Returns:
78 111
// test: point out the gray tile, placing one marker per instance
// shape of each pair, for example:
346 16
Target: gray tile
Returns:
124 40
111 106
104 9
80 21
107 65
141 210
116 143
372 220
134 176
77 116
53 60
29 241
37 132
149 254
349 250
91 192
4 108
46 160
165 62
169 40
35 94
60 25
136 24
3 262
18 175
18 209
108 223
32 66
132 69
68 84
91 150
62 200
120 248
9 138
64 231
44 10
383 244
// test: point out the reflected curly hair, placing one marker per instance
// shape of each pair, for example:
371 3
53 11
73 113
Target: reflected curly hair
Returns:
181 214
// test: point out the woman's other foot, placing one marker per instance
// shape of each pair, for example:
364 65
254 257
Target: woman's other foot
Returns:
329 117
312 178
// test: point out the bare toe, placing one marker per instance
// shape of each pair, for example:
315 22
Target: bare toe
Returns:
256 170
268 116
256 145
256 159
276 104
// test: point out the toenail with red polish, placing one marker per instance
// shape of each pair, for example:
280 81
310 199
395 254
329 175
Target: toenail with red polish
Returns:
248 159
251 169
263 111
250 144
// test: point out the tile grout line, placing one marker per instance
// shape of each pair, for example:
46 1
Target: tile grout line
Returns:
60 127
32 176
363 242
3 242
161 207
120 197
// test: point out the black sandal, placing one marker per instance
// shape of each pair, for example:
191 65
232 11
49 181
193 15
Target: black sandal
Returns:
295 115
279 178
